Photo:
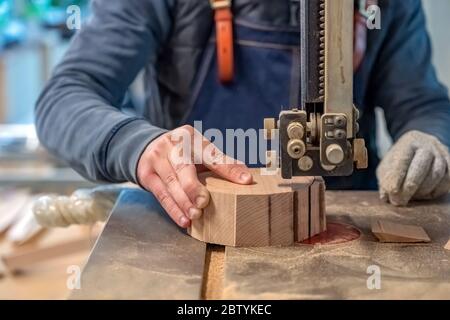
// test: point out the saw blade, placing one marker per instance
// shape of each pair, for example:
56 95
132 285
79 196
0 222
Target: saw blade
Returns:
312 51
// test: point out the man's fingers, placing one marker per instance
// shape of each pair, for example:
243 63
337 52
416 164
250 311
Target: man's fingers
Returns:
169 177
384 195
197 193
443 186
226 167
433 178
237 173
161 193
418 169
394 168
399 199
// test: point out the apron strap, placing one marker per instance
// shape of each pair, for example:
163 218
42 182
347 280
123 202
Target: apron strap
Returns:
225 44
224 39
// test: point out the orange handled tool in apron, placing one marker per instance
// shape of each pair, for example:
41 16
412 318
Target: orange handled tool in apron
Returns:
224 37
223 17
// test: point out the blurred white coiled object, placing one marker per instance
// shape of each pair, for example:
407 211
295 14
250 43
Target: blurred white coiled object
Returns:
83 207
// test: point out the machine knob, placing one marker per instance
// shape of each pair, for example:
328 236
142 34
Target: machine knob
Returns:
296 148
335 154
305 163
295 130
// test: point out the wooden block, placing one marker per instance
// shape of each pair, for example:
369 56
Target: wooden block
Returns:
252 228
322 209
271 212
301 214
281 219
315 199
218 218
387 231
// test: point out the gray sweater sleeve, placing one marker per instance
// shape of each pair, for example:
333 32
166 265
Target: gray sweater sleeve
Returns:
405 82
78 115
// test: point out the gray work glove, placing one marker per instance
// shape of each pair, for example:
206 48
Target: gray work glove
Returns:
417 167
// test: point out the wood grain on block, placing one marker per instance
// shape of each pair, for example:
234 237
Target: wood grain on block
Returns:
387 231
216 224
270 212
301 214
281 223
252 228
322 209
315 210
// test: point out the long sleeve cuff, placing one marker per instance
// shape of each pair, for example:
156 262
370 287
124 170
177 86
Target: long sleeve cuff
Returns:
124 147
436 126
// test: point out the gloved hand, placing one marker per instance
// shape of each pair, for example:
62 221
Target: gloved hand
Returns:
417 167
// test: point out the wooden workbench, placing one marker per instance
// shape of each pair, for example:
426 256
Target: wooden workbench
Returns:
143 255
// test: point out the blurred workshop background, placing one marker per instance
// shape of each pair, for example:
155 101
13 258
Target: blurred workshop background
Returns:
33 38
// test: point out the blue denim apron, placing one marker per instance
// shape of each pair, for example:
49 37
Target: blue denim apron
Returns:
266 81
259 89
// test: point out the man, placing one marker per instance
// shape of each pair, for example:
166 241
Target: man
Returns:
79 114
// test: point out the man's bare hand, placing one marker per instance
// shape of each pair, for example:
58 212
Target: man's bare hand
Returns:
168 168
